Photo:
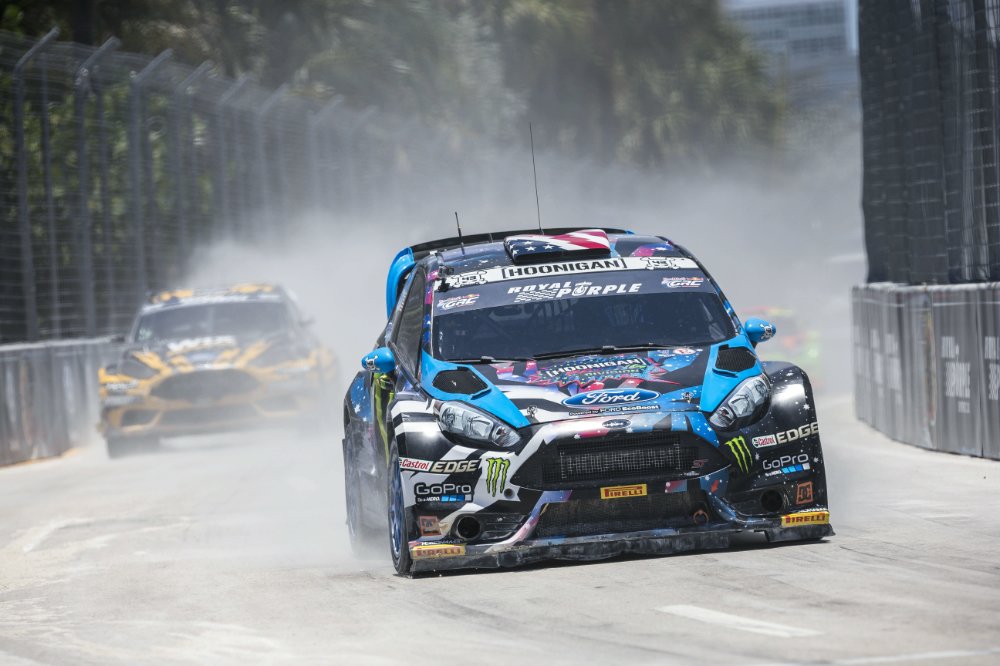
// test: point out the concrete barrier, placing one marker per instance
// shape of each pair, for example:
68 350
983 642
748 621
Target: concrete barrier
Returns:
48 397
927 365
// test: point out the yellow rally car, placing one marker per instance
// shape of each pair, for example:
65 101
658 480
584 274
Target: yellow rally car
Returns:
202 361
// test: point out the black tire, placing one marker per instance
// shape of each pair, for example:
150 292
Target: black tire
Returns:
119 447
361 534
399 535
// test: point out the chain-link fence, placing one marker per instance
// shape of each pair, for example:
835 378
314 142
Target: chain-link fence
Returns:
115 166
930 89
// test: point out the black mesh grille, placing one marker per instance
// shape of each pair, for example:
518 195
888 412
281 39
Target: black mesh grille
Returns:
735 359
205 386
627 456
589 517
458 381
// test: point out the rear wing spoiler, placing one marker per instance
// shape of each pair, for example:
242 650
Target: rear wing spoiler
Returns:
407 258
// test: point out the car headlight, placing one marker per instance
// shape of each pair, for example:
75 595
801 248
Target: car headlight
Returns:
458 418
741 403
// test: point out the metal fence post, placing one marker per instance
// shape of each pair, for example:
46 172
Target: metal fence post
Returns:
177 160
138 138
50 205
221 188
24 217
316 120
81 88
264 182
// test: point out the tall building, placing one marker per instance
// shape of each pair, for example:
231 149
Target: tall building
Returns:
811 44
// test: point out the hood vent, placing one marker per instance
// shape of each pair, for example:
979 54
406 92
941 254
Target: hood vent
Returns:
735 359
458 381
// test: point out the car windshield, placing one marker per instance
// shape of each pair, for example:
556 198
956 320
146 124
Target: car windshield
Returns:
245 321
548 326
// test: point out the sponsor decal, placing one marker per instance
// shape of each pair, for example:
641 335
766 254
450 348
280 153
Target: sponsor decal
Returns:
546 291
472 279
797 433
626 409
562 268
763 441
496 475
797 460
439 466
429 526
184 346
457 301
738 447
443 492
669 263
615 424
502 273
610 397
806 518
804 493
625 365
699 463
616 492
433 550
681 282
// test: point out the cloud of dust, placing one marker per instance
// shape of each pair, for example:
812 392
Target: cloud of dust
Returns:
789 238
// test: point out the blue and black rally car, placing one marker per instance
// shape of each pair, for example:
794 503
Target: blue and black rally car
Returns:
572 395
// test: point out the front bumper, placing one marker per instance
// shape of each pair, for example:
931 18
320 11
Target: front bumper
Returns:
649 542
268 405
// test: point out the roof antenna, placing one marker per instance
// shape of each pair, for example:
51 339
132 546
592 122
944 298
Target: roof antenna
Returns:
534 170
460 241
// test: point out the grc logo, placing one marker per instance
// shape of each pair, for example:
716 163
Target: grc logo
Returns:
616 492
610 397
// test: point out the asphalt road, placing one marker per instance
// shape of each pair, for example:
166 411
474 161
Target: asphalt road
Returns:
233 550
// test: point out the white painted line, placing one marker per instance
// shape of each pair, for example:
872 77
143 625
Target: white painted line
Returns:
737 622
901 658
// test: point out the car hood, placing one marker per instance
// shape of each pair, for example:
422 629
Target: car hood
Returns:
668 379
198 354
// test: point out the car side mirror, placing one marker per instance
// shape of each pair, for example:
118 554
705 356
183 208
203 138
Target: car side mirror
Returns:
381 360
759 330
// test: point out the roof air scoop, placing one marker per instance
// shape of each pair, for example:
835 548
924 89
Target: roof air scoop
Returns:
535 248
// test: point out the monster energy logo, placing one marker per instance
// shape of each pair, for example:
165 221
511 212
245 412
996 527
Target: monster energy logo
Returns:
738 447
496 474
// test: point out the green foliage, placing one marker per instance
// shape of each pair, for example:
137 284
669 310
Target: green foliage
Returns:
643 82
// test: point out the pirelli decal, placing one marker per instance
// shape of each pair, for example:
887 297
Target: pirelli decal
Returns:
617 492
806 518
436 550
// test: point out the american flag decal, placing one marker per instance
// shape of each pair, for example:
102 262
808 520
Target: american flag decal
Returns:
537 247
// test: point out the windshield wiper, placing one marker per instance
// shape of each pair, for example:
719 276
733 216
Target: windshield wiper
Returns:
486 359
605 349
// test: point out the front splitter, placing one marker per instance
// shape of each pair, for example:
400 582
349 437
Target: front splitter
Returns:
604 546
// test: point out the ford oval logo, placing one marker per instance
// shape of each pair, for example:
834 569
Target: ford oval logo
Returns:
615 424
610 397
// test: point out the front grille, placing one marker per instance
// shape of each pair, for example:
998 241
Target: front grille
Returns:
207 415
615 516
627 456
205 385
